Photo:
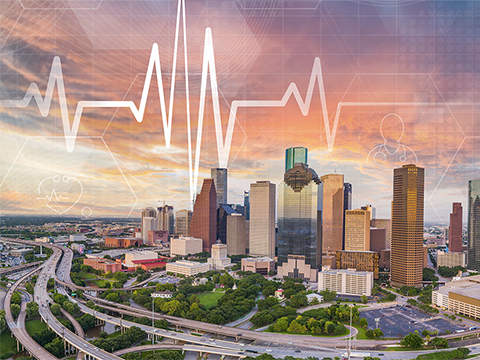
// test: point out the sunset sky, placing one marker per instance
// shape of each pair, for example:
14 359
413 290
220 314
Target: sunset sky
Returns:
409 65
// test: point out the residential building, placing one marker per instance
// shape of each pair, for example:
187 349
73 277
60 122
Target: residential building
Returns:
204 219
473 242
261 265
187 268
297 267
185 245
148 212
262 219
312 296
451 259
357 230
236 234
407 226
332 207
359 260
219 259
183 218
295 155
220 178
104 265
299 221
346 282
455 229
166 219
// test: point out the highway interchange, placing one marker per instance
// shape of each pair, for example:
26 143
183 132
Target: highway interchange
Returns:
236 342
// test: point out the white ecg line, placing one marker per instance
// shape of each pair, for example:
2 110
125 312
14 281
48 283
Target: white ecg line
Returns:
208 69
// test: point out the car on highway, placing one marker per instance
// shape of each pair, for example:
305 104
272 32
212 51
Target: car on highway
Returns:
268 350
298 351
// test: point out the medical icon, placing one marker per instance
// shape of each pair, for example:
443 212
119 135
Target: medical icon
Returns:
60 193
392 129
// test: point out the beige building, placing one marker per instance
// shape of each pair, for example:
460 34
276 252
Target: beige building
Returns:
359 260
219 259
451 259
261 265
332 213
295 267
148 224
262 219
187 268
357 230
236 234
140 255
346 282
185 245
183 218
384 224
461 297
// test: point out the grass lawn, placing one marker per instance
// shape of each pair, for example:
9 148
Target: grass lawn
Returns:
87 276
34 326
114 334
8 344
101 283
146 353
219 289
209 299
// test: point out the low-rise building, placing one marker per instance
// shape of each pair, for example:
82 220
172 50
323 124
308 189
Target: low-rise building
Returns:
461 297
346 282
312 296
260 265
157 237
279 294
123 243
219 259
187 268
78 237
104 265
296 267
140 255
451 259
150 264
185 245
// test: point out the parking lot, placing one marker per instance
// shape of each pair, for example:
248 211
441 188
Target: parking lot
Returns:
399 321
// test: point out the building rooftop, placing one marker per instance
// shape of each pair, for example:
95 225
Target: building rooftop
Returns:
473 291
348 271
259 259
462 285
188 263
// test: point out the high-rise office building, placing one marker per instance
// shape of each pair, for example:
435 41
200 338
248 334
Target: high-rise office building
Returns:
262 219
246 204
373 211
236 234
387 225
473 245
294 156
148 224
223 212
299 219
332 206
204 218
183 219
219 176
357 230
149 212
166 219
347 196
407 226
455 229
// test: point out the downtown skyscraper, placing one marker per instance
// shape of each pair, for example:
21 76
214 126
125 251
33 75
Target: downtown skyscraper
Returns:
220 179
407 226
299 223
332 204
262 219
295 155
455 229
473 244
204 218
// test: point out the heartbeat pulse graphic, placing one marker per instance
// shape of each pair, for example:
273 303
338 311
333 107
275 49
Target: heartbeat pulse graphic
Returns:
208 69
53 195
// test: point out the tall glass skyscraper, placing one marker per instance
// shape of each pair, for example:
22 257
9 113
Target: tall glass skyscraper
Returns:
299 218
474 225
295 155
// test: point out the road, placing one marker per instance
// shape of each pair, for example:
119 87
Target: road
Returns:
246 317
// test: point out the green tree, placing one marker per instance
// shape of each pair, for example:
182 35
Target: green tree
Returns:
425 332
364 299
29 287
32 310
227 280
15 308
328 295
55 347
412 340
377 333
16 298
296 328
363 322
369 334
281 325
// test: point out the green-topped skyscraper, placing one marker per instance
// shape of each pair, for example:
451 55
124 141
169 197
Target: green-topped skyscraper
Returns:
295 155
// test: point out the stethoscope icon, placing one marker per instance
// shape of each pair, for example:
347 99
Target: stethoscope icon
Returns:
382 151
